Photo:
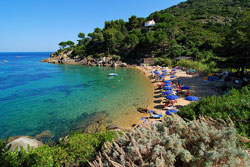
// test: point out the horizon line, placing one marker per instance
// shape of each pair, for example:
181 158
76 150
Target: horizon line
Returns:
24 51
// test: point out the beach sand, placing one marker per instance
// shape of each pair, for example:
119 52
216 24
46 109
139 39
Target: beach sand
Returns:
197 86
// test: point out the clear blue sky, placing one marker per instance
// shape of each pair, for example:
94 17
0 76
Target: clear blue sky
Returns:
39 25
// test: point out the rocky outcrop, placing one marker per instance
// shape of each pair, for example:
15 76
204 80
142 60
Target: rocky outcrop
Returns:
24 141
65 58
113 127
44 136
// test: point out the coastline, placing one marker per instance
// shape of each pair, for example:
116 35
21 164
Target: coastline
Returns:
129 119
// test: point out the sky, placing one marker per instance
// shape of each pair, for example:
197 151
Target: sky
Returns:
39 25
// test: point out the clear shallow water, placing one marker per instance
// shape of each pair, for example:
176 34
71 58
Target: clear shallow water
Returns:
37 96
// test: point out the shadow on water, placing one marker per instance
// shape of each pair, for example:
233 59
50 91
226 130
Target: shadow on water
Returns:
49 101
89 123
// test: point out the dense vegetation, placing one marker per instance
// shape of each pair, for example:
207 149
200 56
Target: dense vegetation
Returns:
235 106
175 142
210 31
74 150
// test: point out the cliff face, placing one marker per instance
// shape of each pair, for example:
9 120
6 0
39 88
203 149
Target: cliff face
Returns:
64 58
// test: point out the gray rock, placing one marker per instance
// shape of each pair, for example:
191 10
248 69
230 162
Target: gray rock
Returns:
123 65
112 127
24 142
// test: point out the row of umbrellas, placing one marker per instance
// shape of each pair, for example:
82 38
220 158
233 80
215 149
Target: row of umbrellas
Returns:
189 98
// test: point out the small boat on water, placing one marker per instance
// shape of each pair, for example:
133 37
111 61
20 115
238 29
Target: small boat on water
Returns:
113 74
4 61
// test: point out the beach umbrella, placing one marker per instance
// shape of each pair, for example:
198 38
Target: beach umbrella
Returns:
164 74
168 92
167 81
167 84
192 98
164 70
168 112
173 69
172 97
185 87
156 72
173 76
161 76
167 88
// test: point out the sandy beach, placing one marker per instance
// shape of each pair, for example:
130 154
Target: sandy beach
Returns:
197 86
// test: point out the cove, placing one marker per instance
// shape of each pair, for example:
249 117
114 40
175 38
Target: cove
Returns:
36 96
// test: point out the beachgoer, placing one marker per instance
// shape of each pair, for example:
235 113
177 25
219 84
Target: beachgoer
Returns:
179 83
147 109
187 93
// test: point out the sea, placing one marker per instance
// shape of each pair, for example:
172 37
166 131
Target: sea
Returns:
37 97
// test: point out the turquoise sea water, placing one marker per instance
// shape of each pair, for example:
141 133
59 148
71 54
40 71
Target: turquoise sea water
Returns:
37 96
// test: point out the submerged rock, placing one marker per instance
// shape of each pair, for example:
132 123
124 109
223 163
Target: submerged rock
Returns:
44 135
24 141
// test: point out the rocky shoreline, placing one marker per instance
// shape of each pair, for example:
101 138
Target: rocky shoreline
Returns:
65 58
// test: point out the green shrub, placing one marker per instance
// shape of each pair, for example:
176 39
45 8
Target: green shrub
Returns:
235 105
199 66
174 142
76 149
163 61
116 57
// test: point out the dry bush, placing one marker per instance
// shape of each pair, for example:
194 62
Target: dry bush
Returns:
175 142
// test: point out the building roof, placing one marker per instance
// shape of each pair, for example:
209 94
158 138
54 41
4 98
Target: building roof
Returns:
149 23
183 58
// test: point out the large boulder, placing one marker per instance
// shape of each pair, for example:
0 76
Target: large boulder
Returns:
123 65
24 141
113 127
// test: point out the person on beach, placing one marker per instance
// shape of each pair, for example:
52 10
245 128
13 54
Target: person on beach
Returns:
179 84
147 109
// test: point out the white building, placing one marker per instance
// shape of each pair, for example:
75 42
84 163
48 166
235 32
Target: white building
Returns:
149 23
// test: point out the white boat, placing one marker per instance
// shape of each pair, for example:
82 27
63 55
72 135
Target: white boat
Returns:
113 74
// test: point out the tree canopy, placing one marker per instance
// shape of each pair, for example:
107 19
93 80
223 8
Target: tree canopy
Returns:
204 30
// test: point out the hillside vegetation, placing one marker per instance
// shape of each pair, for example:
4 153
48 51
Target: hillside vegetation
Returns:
210 31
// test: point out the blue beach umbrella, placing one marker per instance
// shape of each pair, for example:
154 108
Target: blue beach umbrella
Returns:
164 70
167 81
173 69
167 88
161 76
168 92
172 97
167 84
168 112
185 87
156 72
173 76
192 98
